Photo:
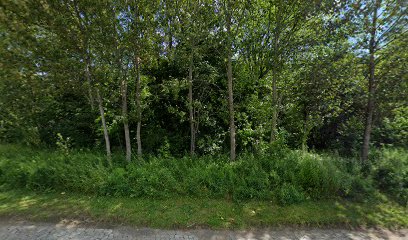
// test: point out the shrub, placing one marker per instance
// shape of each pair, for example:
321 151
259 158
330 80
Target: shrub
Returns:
43 178
151 180
285 175
395 130
13 174
116 183
318 176
250 181
290 194
390 173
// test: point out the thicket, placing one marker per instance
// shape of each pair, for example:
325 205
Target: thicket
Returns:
148 75
279 174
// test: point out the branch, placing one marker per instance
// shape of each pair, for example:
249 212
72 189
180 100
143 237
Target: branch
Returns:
392 40
388 30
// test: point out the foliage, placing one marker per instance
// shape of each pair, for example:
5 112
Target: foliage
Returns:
289 194
298 88
187 212
396 127
390 173
280 174
301 62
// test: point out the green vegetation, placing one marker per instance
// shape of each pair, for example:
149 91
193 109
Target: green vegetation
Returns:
143 77
286 175
197 212
281 177
266 107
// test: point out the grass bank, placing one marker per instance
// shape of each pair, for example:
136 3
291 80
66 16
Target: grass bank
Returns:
278 187
198 212
281 174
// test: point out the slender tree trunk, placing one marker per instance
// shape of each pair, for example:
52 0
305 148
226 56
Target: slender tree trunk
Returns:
91 98
126 121
89 81
105 128
170 25
306 130
230 94
86 55
276 68
138 84
100 106
138 108
170 39
123 87
231 109
275 106
371 86
190 106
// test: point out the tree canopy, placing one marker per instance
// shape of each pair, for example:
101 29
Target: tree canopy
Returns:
204 77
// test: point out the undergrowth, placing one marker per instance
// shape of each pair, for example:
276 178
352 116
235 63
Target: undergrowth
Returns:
279 174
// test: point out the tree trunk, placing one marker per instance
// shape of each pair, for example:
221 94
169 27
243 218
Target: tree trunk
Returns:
89 81
91 98
105 128
138 108
371 86
126 120
276 68
190 106
306 130
123 87
231 109
230 93
86 55
275 106
100 106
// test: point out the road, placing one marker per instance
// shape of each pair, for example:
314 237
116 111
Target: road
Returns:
72 230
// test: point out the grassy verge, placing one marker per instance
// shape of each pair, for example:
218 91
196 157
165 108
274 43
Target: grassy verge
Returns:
191 213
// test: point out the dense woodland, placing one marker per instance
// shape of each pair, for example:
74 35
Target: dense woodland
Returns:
205 76
174 78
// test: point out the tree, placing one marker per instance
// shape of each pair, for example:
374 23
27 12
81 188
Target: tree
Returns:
118 33
192 32
272 41
382 22
142 26
204 76
232 13
84 24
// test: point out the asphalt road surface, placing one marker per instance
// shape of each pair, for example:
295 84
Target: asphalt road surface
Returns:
72 230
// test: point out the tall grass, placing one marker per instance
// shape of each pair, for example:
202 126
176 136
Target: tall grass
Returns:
282 175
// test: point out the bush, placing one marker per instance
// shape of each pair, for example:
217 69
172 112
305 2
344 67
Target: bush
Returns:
395 130
13 174
390 173
290 194
318 176
285 175
251 181
355 185
116 183
43 178
151 180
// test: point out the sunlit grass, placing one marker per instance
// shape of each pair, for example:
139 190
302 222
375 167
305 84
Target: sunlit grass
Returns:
191 213
182 212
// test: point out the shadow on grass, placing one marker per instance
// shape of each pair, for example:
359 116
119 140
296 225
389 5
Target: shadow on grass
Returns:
195 213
